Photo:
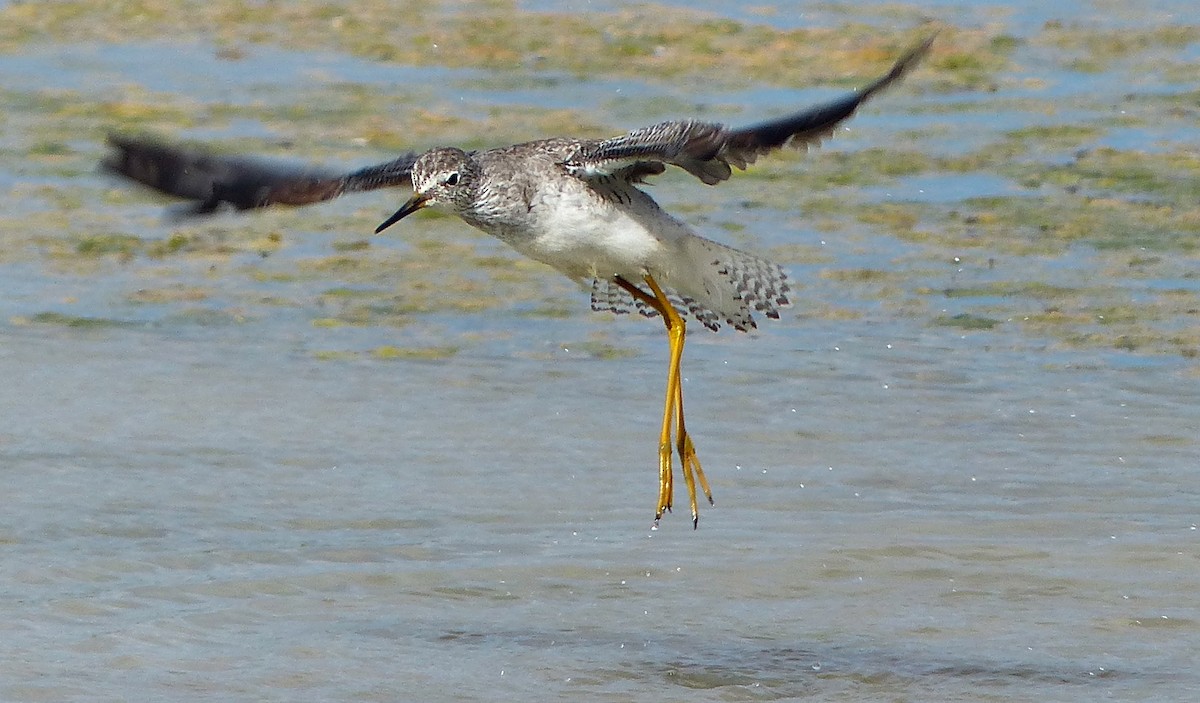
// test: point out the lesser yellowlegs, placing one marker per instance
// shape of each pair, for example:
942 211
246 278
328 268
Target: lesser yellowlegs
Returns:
574 204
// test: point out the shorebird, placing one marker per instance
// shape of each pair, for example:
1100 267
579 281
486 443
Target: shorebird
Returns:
573 204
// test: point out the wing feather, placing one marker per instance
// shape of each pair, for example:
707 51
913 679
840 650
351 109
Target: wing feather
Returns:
709 151
210 180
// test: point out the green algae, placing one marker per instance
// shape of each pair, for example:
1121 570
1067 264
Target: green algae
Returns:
99 245
600 348
668 42
552 310
966 321
1010 289
388 352
861 275
1094 50
1169 177
205 317
176 293
1133 210
1045 225
60 319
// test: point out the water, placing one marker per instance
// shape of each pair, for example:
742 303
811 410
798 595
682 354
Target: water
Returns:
206 508
228 517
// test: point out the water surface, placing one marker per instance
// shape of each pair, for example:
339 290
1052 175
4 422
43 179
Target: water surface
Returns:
305 468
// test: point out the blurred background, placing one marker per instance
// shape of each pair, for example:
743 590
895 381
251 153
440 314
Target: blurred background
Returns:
272 457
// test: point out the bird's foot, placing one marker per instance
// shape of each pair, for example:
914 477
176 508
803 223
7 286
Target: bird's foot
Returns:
692 474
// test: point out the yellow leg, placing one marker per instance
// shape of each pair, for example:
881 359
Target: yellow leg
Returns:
673 408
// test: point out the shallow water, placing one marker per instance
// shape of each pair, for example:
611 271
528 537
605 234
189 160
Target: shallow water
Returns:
220 494
898 515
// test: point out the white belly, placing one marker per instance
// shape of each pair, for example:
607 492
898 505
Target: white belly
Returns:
586 237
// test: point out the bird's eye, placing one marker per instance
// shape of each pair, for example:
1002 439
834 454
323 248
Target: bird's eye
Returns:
452 179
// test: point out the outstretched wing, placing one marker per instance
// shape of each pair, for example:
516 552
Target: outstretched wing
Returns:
210 180
708 150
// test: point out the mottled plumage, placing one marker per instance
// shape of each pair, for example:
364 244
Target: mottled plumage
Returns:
708 150
573 204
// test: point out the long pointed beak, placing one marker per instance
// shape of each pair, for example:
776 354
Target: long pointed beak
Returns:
416 202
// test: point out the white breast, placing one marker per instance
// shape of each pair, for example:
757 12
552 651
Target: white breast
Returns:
586 236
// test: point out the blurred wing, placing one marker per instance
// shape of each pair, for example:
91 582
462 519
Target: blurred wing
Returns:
708 150
244 183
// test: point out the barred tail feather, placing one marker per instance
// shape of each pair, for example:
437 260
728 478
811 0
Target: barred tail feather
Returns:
607 296
735 283
722 284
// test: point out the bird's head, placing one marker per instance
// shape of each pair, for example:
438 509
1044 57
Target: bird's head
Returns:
443 179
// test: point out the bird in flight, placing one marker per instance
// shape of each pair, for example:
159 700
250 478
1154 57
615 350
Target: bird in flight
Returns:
573 204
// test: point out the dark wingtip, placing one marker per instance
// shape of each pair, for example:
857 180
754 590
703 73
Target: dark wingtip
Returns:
117 140
116 161
903 65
